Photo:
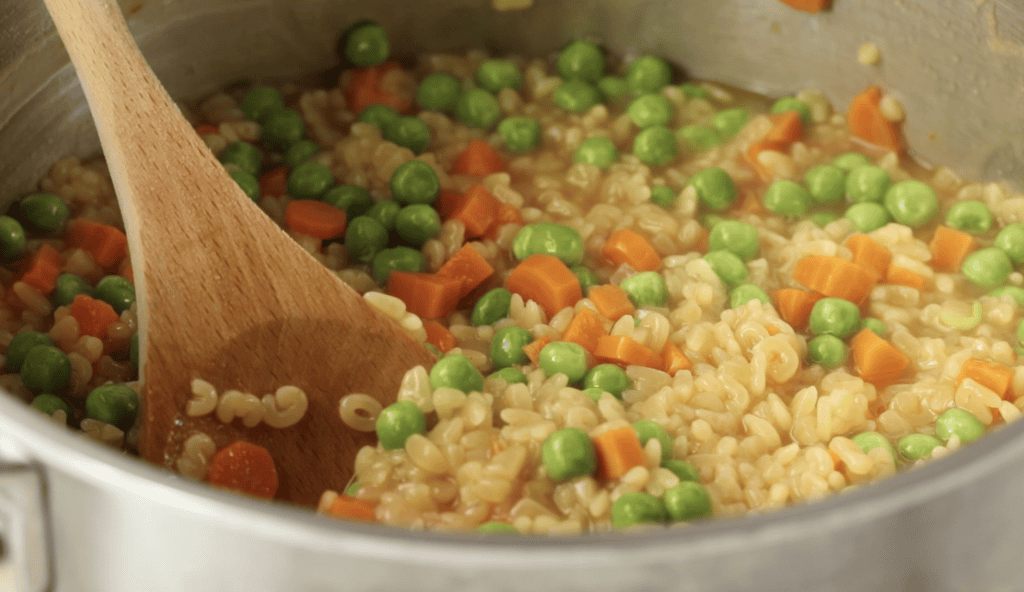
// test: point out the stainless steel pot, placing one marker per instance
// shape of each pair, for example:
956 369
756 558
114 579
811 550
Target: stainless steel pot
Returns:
75 516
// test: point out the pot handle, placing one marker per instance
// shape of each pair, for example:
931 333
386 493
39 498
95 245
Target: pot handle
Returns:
25 543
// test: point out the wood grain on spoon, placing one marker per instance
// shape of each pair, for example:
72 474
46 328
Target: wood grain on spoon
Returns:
223 293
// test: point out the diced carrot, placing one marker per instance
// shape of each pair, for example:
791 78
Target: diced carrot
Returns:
673 359
425 294
837 461
794 306
877 360
206 129
439 336
625 351
127 271
545 280
866 121
244 467
467 266
94 316
949 248
835 277
366 86
532 349
901 276
994 376
869 253
811 6
316 218
479 160
753 153
618 450
274 183
787 127
750 203
611 301
42 268
107 245
585 329
507 214
631 248
477 210
772 329
347 507
701 245
446 202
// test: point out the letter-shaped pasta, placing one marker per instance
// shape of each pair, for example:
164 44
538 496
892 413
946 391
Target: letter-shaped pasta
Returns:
359 411
203 400
781 359
285 407
238 404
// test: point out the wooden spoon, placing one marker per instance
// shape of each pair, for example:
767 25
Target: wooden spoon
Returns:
223 293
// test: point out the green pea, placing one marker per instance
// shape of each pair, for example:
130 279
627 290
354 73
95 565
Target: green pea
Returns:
548 238
510 375
609 378
709 220
564 357
19 347
655 145
834 316
1011 240
133 349
497 528
823 219
850 161
44 212
300 152
408 132
491 307
1014 292
457 372
682 469
430 347
826 183
728 122
647 429
738 237
972 217
568 453
744 293
586 277
49 404
693 90
243 155
116 404
45 369
12 238
415 182
664 196
282 128
646 289
867 216
793 104
827 350
495 74
477 108
867 183
987 267
876 326
353 488
650 109
354 199
960 423
613 88
597 151
260 102
397 422
687 501
68 286
115 291
868 441
249 185
637 507
520 134
438 92
385 212
507 346
729 268
912 203
1020 332
366 44
647 74
787 198
309 180
576 96
582 60
364 238
416 223
715 188
917 446
396 259
699 138
379 116
594 393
